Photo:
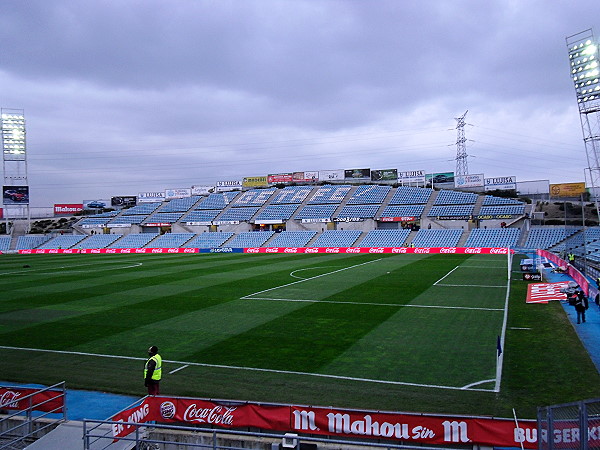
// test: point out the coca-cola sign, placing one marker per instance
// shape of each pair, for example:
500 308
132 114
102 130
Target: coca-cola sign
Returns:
27 398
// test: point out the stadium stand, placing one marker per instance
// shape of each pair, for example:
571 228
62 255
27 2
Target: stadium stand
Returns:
93 221
515 210
253 197
142 208
337 238
250 239
138 240
584 242
202 216
451 211
492 200
292 239
358 211
128 220
64 241
209 240
98 241
437 238
330 194
31 241
291 194
385 238
403 211
408 195
5 243
446 197
277 212
160 217
316 212
180 204
369 194
544 238
171 240
217 201
242 214
493 237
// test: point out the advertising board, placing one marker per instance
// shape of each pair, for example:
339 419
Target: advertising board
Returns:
96 204
411 177
251 182
15 195
171 194
431 179
468 181
202 190
331 175
306 177
357 174
533 187
67 208
279 178
225 186
150 197
501 184
567 189
124 201
384 175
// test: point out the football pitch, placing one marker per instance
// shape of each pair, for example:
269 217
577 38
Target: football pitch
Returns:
399 332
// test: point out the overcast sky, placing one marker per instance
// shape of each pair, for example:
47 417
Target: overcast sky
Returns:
122 97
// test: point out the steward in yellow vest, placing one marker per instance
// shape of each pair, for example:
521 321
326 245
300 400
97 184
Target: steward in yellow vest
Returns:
153 371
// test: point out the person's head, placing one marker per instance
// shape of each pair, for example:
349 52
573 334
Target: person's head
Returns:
153 350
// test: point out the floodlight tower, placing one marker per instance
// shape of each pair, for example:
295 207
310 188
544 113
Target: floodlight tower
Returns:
462 167
585 72
15 190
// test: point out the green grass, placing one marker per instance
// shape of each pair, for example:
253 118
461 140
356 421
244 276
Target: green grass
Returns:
390 332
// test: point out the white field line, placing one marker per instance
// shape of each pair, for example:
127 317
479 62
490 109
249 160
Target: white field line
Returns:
307 268
252 369
500 358
249 296
470 285
54 270
399 305
435 284
178 369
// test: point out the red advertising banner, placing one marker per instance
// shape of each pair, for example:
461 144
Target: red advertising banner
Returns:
68 208
546 292
415 250
411 428
588 288
397 219
25 398
280 178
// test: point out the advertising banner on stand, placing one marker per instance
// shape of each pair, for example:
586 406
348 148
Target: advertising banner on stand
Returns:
279 178
567 190
384 175
252 182
171 194
331 175
225 186
501 184
412 178
357 174
306 177
124 201
15 195
469 181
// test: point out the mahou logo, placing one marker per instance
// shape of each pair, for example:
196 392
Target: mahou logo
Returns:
215 415
473 250
167 410
448 250
9 398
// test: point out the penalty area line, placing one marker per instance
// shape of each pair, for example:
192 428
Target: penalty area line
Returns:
252 369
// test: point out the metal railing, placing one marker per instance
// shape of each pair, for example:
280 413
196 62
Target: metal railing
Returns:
98 434
31 425
569 426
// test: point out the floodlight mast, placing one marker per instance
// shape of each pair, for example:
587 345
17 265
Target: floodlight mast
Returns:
14 163
462 167
585 73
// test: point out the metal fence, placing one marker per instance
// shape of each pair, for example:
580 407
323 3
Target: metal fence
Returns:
98 434
570 426
27 424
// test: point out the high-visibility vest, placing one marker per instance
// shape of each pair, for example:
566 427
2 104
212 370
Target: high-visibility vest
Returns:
157 374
